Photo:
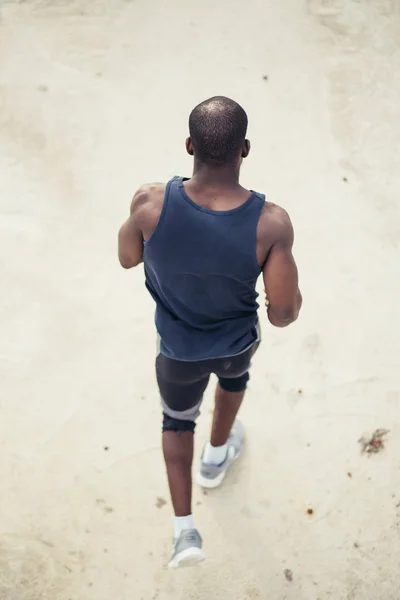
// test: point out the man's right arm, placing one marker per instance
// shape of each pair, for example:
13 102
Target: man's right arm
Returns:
280 275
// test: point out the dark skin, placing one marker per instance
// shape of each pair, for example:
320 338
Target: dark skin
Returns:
216 186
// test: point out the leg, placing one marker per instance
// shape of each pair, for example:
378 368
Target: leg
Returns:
181 400
228 399
227 406
178 446
233 377
178 456
227 433
182 387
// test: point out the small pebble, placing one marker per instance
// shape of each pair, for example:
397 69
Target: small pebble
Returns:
160 502
288 574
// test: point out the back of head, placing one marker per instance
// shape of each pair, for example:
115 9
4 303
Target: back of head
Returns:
218 129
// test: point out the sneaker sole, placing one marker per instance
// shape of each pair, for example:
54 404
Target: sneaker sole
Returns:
187 558
210 484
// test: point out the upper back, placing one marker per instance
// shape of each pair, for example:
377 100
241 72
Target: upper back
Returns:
200 237
150 202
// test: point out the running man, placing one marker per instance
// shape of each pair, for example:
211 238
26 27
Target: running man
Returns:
204 242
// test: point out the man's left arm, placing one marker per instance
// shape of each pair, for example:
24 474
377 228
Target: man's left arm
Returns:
130 237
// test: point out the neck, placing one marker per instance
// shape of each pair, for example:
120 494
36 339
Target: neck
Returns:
226 175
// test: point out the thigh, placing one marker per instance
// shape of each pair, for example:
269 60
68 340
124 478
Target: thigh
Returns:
181 384
235 366
233 372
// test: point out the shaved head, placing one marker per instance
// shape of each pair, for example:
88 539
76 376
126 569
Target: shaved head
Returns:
218 129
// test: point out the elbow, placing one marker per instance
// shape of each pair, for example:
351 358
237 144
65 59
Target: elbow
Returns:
126 262
126 265
283 318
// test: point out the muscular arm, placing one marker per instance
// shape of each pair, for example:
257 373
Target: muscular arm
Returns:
130 238
280 275
146 208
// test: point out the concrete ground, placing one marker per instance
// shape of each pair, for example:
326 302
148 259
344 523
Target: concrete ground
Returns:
94 100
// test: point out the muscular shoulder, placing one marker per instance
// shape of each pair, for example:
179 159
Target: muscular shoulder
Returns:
275 224
148 196
274 229
146 207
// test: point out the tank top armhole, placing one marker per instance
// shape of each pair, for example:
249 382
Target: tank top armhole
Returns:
163 211
263 200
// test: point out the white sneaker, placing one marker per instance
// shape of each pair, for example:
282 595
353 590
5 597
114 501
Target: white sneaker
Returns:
211 476
187 549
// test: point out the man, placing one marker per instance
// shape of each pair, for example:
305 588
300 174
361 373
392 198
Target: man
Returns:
204 241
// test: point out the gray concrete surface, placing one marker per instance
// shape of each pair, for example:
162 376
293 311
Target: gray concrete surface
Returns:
94 98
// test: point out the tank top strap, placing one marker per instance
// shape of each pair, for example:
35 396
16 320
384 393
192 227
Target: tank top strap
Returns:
254 210
259 201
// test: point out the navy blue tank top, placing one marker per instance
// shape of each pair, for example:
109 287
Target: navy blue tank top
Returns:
201 269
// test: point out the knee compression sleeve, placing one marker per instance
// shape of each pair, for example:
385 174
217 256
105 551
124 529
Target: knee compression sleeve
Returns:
236 384
172 424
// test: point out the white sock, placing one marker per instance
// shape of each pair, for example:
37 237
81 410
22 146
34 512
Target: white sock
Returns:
182 523
215 455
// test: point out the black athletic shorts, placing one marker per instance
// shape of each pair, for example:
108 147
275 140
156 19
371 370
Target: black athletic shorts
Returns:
183 383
